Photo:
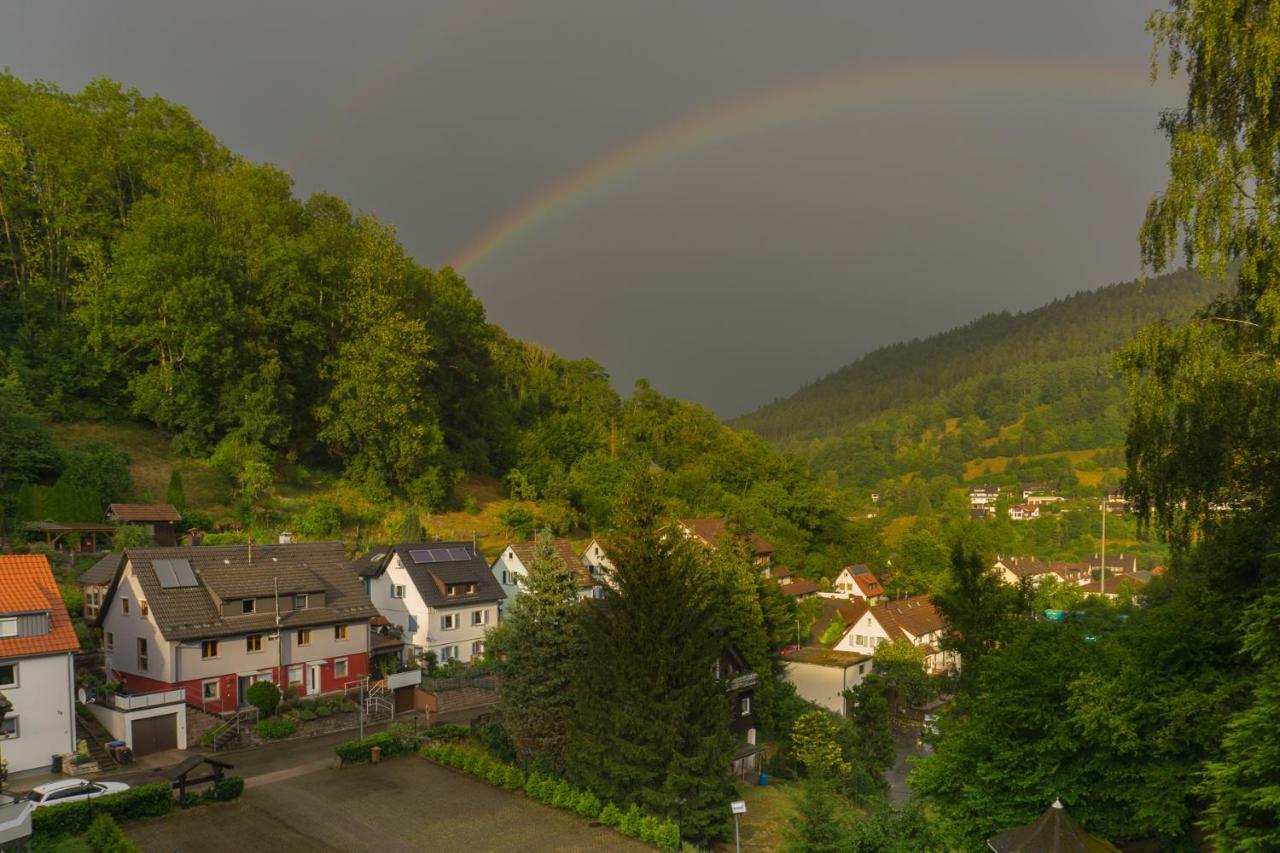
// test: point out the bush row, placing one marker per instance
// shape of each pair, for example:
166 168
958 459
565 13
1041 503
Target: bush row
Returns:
153 800
663 834
396 740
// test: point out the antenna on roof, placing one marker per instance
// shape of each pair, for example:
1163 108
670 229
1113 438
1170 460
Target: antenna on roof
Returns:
474 548
250 549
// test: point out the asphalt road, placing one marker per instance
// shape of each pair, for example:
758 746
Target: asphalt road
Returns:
905 749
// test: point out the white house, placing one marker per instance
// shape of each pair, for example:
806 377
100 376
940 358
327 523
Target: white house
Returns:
442 596
822 675
37 671
1024 512
511 569
858 582
984 496
914 618
596 558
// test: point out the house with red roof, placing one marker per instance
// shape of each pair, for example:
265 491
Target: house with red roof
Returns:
37 672
511 569
913 618
712 532
858 582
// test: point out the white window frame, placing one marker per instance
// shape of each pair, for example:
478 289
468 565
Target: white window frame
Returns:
397 590
248 606
216 684
746 706
10 722
449 622
144 654
295 671
448 653
109 641
9 626
15 682
304 598
477 648
124 606
340 668
479 618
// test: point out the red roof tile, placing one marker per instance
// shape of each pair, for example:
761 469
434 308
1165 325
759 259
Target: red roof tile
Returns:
143 512
27 586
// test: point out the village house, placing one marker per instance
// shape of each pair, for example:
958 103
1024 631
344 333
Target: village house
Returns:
713 531
984 495
797 587
160 520
210 621
740 683
821 674
1040 493
1116 563
858 582
511 569
93 583
1024 512
37 670
596 558
1113 586
1013 569
1117 503
914 618
441 595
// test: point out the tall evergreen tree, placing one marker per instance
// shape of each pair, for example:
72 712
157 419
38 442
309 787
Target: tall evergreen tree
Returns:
410 529
539 646
816 825
979 609
652 721
176 494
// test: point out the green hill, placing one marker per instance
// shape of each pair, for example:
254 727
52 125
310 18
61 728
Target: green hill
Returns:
973 401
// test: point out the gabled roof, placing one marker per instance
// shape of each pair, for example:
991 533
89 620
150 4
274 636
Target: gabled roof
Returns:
524 552
849 611
799 587
433 579
1055 831
143 512
1114 584
866 580
712 530
101 572
914 615
27 586
230 572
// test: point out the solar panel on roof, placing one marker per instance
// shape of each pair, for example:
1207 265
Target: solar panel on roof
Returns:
459 554
165 573
186 577
440 555
422 556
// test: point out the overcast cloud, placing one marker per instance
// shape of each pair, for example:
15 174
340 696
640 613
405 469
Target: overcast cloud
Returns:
729 272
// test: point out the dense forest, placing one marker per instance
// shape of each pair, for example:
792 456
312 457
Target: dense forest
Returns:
149 274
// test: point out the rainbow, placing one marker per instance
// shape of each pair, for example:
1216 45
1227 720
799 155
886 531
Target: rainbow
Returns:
860 86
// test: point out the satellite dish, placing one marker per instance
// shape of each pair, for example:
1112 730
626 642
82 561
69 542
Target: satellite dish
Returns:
83 696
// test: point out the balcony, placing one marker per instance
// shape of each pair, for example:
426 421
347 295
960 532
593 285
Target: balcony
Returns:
138 701
741 681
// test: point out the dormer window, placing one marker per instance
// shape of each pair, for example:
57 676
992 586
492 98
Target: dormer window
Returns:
248 605
300 601
471 589
9 627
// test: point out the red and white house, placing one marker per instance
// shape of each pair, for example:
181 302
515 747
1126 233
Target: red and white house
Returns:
858 582
213 620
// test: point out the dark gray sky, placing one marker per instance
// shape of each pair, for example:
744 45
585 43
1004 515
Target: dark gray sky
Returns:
932 162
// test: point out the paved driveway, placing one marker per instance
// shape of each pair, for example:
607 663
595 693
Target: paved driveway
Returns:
404 804
906 749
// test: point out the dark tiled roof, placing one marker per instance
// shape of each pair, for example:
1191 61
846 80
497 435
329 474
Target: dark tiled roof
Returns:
712 530
849 611
915 615
228 572
564 550
143 512
102 572
433 579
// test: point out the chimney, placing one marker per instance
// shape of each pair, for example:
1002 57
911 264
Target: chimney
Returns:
286 537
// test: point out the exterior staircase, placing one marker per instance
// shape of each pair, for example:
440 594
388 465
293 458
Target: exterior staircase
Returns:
232 729
378 702
199 721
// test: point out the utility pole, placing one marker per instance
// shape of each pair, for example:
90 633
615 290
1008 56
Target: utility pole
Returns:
280 674
1102 578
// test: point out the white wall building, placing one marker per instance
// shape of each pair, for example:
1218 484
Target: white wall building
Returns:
511 569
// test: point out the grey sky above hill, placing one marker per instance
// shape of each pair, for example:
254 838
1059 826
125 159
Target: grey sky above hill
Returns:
731 198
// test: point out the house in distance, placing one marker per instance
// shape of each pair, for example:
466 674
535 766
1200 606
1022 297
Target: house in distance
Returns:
160 520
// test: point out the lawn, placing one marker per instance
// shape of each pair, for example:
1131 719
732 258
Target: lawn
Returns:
403 804
769 809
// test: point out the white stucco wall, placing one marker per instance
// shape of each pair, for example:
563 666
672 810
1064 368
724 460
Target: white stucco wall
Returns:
516 573
429 636
126 629
120 723
824 684
42 704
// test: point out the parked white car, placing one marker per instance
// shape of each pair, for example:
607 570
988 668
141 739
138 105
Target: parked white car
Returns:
72 790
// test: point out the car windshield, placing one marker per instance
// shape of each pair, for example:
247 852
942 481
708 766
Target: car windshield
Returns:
36 796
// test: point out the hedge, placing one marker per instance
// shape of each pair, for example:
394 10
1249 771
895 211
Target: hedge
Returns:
152 800
396 740
276 727
226 788
106 836
663 834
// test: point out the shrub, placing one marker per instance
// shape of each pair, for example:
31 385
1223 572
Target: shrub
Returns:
151 800
667 836
471 505
264 696
397 740
449 732
649 829
227 788
274 728
587 805
514 779
610 815
306 715
346 706
321 520
324 711
497 775
631 821
494 738
105 836
564 796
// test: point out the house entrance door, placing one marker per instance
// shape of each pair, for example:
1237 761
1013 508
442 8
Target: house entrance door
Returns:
313 679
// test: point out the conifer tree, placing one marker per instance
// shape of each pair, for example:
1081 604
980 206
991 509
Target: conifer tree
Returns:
176 494
411 527
815 826
651 722
737 600
539 644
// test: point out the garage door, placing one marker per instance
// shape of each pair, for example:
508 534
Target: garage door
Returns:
404 698
155 734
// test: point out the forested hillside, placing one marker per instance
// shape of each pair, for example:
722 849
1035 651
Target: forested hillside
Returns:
149 276
1001 387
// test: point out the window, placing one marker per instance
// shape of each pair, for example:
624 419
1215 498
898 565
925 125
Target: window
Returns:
471 589
397 590
253 643
304 637
142 608
209 690
413 624
449 621
340 668
339 632
124 606
448 653
8 675
746 705
142 653
479 617
9 728
364 582
862 667
477 648
859 639
110 640
451 589
295 675
249 605
506 578
9 627
208 649
300 601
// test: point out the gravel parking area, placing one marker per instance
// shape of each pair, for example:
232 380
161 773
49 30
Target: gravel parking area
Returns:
403 804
